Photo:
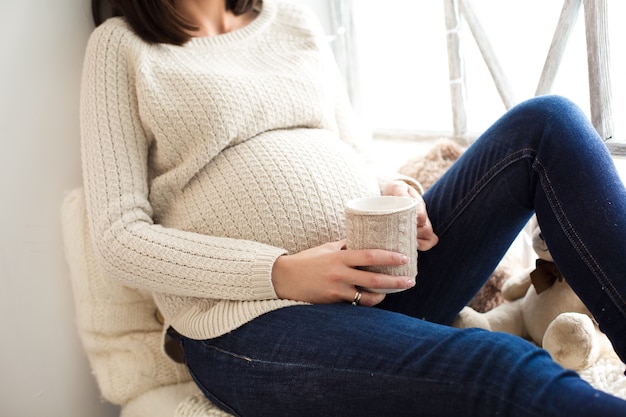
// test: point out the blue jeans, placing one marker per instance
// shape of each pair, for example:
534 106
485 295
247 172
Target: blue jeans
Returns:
400 358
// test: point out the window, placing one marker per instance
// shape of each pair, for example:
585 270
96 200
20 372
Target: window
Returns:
401 67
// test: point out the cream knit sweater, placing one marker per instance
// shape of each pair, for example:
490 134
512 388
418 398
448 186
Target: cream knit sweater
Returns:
204 163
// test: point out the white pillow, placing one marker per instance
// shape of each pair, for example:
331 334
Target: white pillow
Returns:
117 325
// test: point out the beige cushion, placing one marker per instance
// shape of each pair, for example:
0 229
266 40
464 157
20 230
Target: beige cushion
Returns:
120 333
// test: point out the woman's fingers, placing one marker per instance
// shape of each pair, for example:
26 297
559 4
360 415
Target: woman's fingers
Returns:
360 279
426 237
378 281
375 257
328 273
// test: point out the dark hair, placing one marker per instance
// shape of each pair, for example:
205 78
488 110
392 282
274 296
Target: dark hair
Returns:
156 21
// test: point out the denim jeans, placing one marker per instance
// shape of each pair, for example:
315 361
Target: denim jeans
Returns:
400 358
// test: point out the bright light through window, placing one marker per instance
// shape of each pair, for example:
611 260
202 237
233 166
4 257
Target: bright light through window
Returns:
404 63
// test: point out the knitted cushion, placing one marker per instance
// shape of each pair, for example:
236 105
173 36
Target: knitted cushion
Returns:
117 325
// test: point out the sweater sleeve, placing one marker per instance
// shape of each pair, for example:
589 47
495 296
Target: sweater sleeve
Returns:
115 152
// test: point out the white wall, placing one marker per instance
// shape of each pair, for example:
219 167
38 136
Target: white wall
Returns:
43 372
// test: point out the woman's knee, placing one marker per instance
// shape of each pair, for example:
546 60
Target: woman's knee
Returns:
551 109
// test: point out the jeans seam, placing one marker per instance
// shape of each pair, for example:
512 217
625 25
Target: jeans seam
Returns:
229 353
248 359
482 183
574 238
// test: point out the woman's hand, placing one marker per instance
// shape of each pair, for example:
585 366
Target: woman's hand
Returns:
426 237
328 274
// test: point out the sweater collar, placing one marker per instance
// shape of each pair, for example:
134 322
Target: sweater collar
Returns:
264 18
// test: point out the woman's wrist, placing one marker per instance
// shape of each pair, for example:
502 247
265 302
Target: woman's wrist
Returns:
278 275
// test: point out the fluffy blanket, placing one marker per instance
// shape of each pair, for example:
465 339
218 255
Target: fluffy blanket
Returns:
607 375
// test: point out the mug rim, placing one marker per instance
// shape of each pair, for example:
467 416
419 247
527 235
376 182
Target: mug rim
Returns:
380 204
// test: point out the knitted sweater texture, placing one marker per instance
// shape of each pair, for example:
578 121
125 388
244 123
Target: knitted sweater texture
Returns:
204 163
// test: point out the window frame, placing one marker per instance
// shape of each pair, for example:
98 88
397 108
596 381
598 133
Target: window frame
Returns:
596 24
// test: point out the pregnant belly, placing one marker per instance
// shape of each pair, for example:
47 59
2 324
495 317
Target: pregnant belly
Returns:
284 188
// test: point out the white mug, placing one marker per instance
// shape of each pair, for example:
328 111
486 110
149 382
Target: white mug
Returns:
384 222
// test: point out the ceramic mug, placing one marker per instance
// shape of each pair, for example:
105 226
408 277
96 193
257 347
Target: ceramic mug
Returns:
384 222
